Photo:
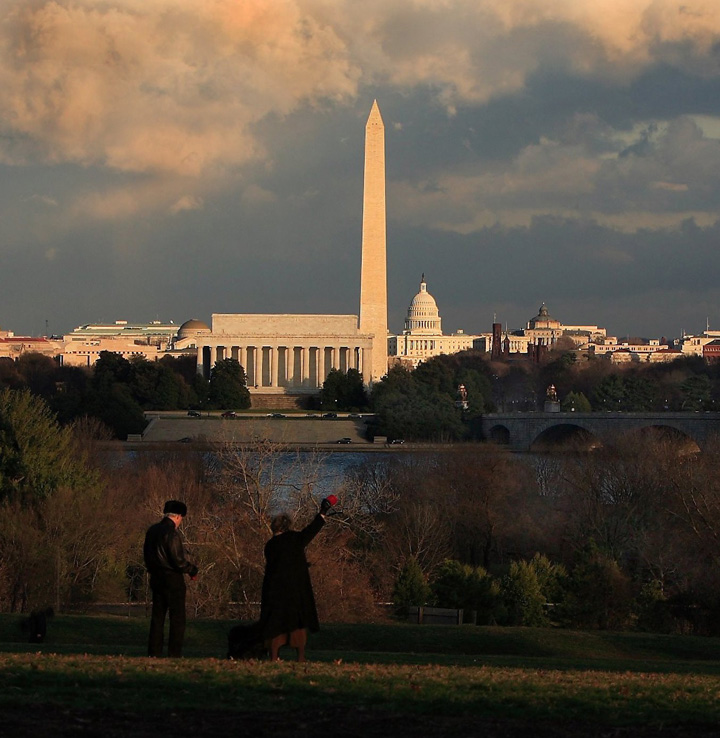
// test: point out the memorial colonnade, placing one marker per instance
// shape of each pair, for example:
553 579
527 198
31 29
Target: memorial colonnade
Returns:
288 364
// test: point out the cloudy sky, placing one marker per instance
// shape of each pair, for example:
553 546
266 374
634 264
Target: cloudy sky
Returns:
167 159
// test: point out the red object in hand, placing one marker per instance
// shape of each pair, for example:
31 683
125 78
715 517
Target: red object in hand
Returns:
332 499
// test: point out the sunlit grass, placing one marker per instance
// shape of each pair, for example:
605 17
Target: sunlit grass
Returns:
140 684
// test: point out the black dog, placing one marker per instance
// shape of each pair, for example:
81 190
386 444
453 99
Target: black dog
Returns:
36 624
245 641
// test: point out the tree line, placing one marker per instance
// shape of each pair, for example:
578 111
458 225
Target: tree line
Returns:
117 391
623 537
423 404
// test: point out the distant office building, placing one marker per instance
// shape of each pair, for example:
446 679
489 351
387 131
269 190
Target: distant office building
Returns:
149 341
87 352
542 330
623 352
695 345
12 346
423 337
711 351
154 333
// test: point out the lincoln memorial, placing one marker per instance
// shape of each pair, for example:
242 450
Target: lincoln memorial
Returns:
287 352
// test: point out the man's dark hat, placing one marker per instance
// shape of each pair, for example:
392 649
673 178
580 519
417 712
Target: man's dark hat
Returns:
175 507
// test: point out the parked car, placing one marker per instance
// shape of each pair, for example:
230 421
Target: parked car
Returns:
344 440
330 415
187 439
275 415
193 413
397 441
229 414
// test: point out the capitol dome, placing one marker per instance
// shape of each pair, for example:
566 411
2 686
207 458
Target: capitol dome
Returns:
423 316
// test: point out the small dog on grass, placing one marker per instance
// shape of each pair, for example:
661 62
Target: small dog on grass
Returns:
245 642
36 624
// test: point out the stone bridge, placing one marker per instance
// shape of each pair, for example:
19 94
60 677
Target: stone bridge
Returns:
531 430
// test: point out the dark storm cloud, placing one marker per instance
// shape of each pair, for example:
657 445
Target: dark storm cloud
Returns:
583 271
172 160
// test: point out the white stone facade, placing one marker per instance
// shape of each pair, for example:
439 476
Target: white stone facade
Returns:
86 352
12 347
543 330
624 352
373 276
423 337
286 353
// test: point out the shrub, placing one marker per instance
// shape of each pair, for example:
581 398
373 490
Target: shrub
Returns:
523 596
598 593
652 609
411 588
458 585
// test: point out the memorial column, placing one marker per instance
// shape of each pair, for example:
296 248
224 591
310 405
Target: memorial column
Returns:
242 358
275 366
322 371
305 365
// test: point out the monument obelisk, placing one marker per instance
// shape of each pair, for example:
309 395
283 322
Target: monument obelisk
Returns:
373 277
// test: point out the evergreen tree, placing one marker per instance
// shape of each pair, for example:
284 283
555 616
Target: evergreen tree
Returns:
343 391
576 402
609 394
598 592
228 386
523 596
411 588
696 392
465 587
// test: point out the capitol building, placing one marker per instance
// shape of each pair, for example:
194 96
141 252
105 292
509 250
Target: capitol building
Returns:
422 337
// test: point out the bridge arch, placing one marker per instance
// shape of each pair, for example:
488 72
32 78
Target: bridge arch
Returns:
564 436
521 430
499 434
667 433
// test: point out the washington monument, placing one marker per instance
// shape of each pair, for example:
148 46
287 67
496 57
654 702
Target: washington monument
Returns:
293 354
373 277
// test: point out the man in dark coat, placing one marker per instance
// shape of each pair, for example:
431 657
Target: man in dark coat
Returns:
288 610
165 561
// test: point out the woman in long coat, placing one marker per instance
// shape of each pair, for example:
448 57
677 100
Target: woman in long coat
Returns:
287 611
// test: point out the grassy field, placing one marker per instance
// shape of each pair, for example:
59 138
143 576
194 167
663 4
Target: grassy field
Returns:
365 680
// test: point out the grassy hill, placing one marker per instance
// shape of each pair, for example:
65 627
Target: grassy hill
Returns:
370 680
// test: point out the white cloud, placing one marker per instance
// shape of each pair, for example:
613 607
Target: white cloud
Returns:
177 86
659 182
167 86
